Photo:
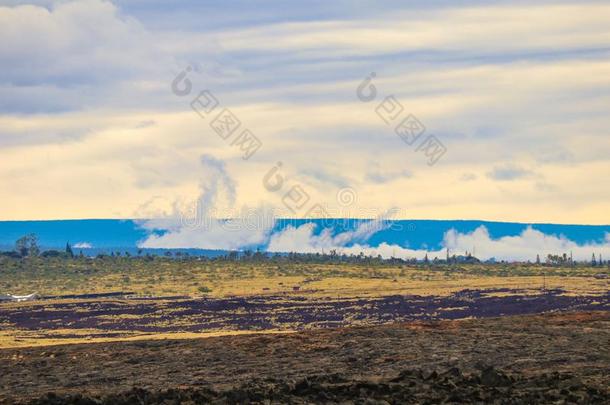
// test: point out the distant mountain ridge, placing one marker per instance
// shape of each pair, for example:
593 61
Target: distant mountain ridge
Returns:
414 234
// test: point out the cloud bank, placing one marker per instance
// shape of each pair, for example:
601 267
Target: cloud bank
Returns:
199 225
234 234
522 247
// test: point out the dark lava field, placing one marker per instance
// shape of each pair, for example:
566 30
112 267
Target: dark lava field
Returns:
559 357
117 317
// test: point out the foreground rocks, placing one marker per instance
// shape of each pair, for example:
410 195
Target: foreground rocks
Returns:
490 386
550 358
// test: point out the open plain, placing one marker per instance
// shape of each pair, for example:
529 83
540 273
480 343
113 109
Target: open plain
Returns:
152 331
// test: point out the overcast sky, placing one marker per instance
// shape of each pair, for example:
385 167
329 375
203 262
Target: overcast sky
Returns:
518 94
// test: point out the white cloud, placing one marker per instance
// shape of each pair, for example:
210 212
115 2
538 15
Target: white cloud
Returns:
82 55
73 42
303 238
469 29
82 245
522 247
508 172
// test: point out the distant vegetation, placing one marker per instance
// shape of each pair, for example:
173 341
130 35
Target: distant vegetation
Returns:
27 247
26 270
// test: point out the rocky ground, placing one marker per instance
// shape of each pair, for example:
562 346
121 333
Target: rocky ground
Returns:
551 358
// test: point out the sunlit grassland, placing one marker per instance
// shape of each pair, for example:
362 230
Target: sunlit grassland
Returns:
223 278
287 281
27 338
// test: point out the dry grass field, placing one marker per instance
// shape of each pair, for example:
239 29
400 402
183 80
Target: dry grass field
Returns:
191 277
158 298
333 331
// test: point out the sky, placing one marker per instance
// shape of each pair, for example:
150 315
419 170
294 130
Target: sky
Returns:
98 100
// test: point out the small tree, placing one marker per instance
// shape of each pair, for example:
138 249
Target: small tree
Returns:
34 249
27 245
21 246
69 251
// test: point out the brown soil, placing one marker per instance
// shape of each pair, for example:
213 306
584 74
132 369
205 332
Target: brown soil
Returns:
531 359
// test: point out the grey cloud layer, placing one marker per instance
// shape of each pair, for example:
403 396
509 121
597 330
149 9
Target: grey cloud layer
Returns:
515 91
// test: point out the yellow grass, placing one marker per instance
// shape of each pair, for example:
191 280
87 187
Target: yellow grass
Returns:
221 280
22 339
193 278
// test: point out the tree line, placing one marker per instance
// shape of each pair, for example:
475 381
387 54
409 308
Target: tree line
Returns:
28 246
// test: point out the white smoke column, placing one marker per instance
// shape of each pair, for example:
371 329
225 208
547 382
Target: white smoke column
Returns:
216 180
201 228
